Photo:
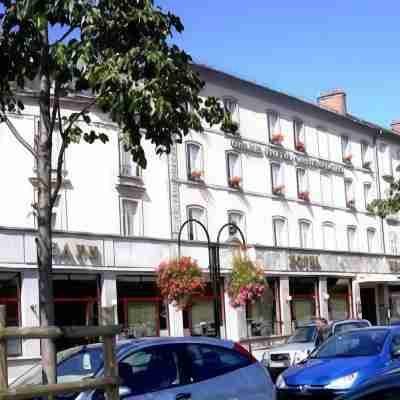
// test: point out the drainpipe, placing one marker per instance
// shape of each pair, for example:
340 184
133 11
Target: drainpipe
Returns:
378 185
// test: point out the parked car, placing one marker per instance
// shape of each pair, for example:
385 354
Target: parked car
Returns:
303 342
384 387
168 368
342 363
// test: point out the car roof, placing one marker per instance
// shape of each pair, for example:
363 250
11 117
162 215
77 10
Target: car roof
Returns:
348 321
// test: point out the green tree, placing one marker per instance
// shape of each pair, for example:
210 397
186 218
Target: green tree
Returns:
389 205
121 52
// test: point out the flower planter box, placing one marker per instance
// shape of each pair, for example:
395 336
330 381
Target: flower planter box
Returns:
347 159
235 181
300 147
305 196
277 138
196 176
278 190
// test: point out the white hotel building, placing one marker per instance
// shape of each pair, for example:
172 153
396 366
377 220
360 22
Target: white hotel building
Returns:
307 172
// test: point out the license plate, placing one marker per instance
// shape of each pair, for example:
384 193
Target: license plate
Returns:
275 364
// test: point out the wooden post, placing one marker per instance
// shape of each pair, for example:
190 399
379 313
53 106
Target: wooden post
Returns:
110 361
3 352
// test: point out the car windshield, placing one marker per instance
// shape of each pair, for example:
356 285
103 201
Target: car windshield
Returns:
354 344
303 335
72 365
350 326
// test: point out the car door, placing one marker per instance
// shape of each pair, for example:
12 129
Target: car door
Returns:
219 373
153 373
394 353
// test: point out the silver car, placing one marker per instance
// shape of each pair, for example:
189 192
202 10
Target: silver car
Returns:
303 342
168 369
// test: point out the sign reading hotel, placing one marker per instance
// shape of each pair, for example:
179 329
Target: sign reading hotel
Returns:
75 254
304 263
284 155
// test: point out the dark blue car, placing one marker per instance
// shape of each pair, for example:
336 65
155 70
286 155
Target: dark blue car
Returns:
342 363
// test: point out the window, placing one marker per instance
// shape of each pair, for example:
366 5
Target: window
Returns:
367 194
237 218
155 370
323 143
346 149
195 231
299 135
194 161
232 107
393 243
234 170
366 156
339 301
10 297
329 236
326 189
303 305
280 231
129 211
275 135
385 160
371 240
305 230
206 361
277 179
352 238
349 193
127 167
303 187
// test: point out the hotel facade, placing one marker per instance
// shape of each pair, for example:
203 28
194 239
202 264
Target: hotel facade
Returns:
296 177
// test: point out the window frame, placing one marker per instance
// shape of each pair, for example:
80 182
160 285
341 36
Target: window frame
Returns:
352 228
365 148
138 170
367 200
235 115
189 167
333 226
345 145
303 194
228 154
190 228
310 226
277 188
370 245
243 227
136 221
270 129
393 250
323 131
286 228
330 200
296 133
349 199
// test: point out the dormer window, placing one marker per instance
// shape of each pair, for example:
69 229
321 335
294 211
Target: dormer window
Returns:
231 122
128 167
275 135
347 155
299 135
194 162
277 179
234 170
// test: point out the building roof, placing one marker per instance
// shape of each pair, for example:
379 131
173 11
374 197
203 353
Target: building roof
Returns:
346 117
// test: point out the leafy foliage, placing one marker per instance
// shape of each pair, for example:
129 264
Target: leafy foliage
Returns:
119 53
390 205
247 281
179 279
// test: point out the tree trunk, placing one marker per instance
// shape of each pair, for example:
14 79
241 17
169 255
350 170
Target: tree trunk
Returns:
44 240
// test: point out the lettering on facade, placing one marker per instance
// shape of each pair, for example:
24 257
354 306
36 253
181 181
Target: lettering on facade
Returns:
277 154
394 266
301 263
79 254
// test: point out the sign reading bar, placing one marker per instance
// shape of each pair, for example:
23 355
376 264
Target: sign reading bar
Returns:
301 263
281 154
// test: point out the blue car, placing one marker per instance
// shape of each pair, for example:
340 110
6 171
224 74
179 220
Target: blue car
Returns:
342 363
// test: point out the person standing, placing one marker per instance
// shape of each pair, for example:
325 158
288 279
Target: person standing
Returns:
321 324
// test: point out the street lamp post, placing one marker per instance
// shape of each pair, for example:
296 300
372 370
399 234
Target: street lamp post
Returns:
213 264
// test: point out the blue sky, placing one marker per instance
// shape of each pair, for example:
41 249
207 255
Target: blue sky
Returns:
302 47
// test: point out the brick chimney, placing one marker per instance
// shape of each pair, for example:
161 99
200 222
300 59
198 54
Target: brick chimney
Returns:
334 100
395 125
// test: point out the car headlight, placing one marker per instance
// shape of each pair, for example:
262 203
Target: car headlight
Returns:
343 383
280 382
299 356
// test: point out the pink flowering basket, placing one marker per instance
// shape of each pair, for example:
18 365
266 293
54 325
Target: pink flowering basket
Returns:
179 280
247 281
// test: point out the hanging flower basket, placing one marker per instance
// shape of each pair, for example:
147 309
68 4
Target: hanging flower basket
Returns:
304 196
179 280
235 182
347 158
196 175
277 138
247 282
278 190
300 147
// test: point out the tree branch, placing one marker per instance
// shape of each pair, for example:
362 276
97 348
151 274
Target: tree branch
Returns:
83 111
63 37
56 105
16 134
59 162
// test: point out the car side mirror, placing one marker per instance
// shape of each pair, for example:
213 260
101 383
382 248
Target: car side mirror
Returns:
396 353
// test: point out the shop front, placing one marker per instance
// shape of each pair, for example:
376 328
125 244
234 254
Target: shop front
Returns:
340 298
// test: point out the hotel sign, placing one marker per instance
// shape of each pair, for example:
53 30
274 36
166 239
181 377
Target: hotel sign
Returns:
304 263
284 155
76 254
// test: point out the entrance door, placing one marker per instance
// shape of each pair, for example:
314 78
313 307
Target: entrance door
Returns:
368 304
